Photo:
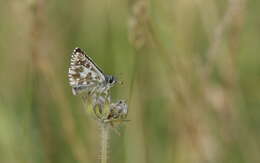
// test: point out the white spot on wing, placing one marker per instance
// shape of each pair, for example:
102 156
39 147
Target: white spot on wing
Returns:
72 71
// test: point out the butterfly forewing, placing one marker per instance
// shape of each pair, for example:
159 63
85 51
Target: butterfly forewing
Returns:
83 72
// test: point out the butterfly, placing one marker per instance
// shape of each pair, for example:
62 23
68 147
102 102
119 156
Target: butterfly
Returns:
86 77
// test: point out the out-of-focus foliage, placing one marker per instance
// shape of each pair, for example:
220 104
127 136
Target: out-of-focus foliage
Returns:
191 72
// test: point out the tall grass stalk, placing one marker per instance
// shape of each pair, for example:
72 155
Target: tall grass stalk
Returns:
104 142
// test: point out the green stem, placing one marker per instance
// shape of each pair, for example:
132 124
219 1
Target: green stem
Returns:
104 142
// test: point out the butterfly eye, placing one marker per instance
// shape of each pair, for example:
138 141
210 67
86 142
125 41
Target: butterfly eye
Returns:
111 80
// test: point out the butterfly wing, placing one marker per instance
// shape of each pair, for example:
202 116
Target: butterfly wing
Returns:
84 74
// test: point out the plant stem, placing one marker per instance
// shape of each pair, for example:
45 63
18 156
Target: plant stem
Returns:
104 142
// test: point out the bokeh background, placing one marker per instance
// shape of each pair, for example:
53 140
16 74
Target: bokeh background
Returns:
191 72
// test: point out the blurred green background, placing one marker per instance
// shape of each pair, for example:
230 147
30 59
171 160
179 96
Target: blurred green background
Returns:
191 72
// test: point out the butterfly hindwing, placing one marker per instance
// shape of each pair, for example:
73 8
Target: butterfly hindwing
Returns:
83 72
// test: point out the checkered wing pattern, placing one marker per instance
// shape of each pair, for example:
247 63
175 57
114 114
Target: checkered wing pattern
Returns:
84 74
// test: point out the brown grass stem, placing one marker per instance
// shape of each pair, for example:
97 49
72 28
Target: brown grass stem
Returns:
233 8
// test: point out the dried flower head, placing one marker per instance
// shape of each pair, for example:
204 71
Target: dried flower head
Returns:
107 112
137 24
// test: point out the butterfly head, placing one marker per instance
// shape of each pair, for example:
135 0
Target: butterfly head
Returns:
111 80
